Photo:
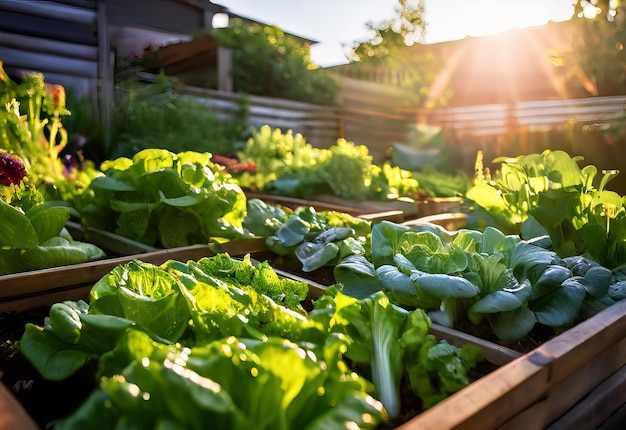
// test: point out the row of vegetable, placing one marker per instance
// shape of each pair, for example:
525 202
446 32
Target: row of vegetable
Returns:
236 346
543 245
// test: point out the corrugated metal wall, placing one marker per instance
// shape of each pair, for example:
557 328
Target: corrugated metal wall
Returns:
65 40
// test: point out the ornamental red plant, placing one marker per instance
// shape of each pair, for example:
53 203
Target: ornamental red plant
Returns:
12 170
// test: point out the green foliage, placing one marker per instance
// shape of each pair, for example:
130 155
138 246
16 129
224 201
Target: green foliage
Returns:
244 362
550 194
289 166
32 231
262 278
165 199
316 239
481 277
30 124
276 154
395 343
387 48
436 183
406 28
348 170
599 49
160 116
269 62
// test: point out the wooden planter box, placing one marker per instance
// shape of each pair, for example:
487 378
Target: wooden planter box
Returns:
549 386
13 415
396 211
438 205
22 291
111 243
450 221
579 373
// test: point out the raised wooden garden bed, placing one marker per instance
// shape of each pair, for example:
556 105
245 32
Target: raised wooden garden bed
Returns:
391 212
23 291
451 221
578 373
537 389
429 206
16 416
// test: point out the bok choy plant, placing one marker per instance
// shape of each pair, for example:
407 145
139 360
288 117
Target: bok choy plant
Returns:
316 239
487 276
550 194
395 344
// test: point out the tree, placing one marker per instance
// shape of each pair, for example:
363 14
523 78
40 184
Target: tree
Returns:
404 29
600 48
385 54
269 62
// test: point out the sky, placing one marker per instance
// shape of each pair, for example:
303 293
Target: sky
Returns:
336 24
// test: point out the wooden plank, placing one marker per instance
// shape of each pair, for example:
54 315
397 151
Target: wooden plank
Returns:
106 240
19 285
46 298
582 357
571 390
12 415
292 203
488 402
598 406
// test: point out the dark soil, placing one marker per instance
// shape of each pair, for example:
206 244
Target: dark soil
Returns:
45 401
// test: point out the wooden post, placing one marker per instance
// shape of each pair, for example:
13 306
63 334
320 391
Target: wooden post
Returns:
224 68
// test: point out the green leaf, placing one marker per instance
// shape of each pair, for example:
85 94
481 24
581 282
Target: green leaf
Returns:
11 261
50 356
54 253
617 291
293 231
551 279
182 201
48 222
316 255
500 301
357 275
512 325
441 285
560 307
385 241
112 184
597 281
530 261
487 197
146 294
402 290
16 230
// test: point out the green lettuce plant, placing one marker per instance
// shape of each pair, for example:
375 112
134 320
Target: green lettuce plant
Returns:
287 165
32 231
164 199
